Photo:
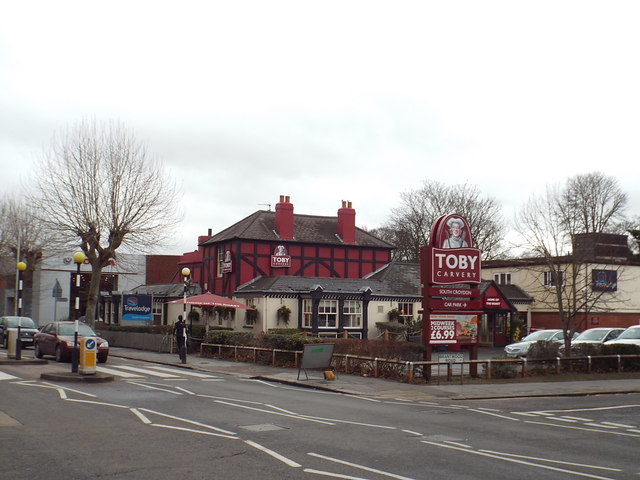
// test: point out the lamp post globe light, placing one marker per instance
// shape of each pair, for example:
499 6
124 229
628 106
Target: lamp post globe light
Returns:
78 259
20 267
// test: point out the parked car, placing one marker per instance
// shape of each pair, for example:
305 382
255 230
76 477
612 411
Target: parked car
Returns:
27 330
57 339
631 336
595 336
521 348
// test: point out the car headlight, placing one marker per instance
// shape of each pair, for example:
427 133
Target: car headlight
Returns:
104 344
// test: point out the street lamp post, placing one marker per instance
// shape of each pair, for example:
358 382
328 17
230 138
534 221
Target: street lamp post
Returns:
78 259
21 267
183 348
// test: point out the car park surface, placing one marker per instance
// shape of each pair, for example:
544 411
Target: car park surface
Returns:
27 329
57 339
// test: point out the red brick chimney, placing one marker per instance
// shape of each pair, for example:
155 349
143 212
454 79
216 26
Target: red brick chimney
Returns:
347 223
284 218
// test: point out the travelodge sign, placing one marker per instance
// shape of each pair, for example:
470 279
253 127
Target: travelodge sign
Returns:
451 255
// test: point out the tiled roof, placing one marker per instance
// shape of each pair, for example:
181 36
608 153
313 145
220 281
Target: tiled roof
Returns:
164 290
306 229
398 280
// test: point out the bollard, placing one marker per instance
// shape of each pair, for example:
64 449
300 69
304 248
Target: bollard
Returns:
18 345
75 353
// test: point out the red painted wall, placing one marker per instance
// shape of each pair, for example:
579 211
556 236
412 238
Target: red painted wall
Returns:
253 258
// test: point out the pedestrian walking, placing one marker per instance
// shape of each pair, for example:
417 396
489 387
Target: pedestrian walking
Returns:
180 332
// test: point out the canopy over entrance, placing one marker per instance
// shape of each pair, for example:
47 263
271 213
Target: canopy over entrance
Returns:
208 299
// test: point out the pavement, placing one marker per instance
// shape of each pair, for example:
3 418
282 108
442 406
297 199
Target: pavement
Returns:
359 385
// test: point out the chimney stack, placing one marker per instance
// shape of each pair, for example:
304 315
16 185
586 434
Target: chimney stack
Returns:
284 218
347 223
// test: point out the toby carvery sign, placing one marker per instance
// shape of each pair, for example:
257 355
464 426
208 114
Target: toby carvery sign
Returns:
452 258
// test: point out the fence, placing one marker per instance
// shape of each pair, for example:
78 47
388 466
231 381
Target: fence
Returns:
409 371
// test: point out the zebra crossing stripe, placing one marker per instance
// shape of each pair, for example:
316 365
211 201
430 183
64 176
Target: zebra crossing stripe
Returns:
189 373
146 371
113 371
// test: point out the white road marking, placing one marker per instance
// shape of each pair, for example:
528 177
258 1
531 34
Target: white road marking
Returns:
6 376
332 475
146 371
191 430
184 371
571 427
151 387
192 422
139 414
548 460
299 417
494 415
361 467
275 455
513 460
113 371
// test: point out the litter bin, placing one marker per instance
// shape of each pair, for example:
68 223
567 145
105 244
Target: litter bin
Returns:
88 354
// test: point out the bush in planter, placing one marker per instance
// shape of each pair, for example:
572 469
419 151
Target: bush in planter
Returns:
504 370
229 337
396 329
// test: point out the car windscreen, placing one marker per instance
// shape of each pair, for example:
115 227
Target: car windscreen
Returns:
539 335
629 333
69 330
592 335
23 322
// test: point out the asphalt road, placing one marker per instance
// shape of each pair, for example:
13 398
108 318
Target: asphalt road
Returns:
162 422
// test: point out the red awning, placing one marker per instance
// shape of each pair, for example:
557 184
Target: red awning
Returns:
211 300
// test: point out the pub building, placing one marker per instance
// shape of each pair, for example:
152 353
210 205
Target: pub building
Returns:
320 274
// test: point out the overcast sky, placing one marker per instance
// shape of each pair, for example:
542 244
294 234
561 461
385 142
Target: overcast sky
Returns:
334 100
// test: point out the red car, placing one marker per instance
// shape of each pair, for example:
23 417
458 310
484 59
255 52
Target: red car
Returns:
57 339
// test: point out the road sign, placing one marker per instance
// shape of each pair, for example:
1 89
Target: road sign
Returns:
451 357
440 304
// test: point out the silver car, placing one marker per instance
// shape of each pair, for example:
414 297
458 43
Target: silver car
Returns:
595 336
521 348
631 336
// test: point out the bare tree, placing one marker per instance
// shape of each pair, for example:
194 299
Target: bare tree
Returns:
593 202
22 238
408 225
100 190
554 229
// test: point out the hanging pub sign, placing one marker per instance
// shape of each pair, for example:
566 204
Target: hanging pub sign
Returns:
280 257
227 265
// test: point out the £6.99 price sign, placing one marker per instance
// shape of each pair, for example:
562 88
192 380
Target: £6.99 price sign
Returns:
443 331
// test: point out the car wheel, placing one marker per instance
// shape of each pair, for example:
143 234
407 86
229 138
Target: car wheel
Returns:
36 351
58 354
102 358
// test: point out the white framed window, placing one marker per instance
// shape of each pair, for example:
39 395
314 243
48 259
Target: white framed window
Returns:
405 309
553 278
307 313
352 314
328 314
156 309
502 278
220 261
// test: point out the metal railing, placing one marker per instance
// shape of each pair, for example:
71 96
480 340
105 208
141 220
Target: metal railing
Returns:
409 371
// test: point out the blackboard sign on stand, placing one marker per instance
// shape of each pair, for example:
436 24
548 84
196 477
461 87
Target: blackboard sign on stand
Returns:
316 355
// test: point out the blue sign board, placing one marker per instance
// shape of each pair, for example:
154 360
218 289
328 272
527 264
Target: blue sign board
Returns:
137 308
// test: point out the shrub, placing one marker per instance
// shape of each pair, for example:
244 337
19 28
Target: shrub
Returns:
504 370
229 337
544 349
